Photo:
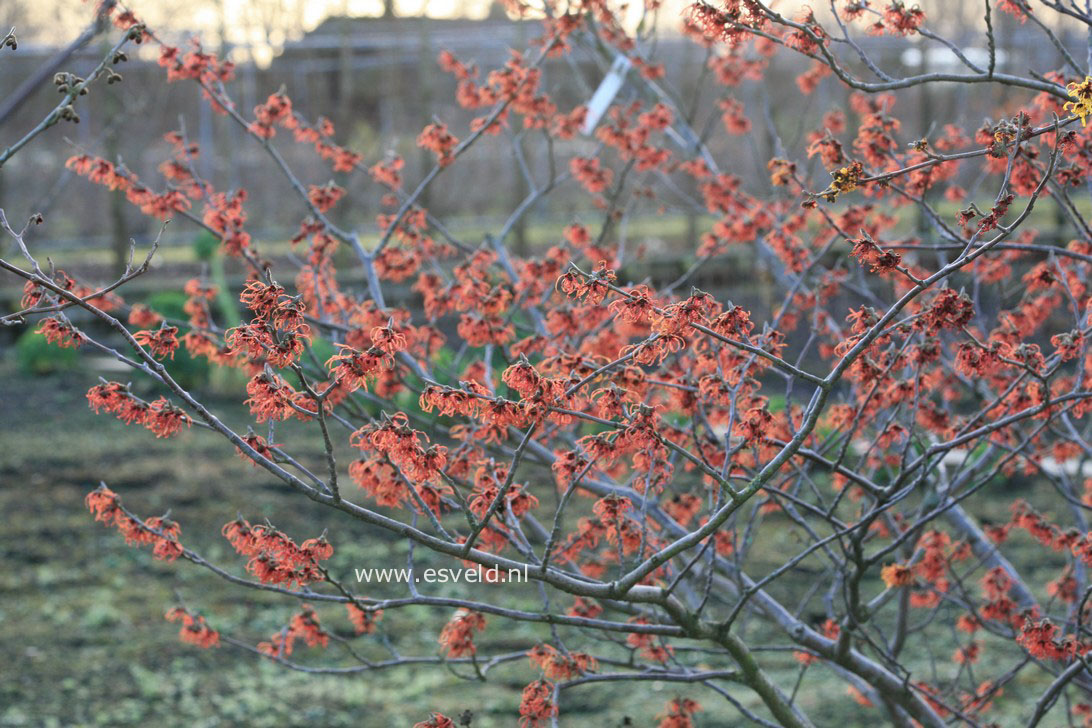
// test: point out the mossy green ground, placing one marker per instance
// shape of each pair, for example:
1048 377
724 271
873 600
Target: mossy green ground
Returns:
83 640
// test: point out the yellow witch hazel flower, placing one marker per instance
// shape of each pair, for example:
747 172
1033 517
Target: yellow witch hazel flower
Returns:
846 179
1082 92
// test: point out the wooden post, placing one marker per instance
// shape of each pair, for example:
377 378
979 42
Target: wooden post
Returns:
119 230
426 67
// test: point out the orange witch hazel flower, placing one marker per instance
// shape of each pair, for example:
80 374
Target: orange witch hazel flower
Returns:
593 289
403 446
163 342
164 419
104 504
537 707
679 713
438 720
306 625
896 575
260 446
274 557
967 654
388 172
160 533
61 333
558 666
276 110
303 626
326 196
589 173
457 636
438 140
354 368
878 260
387 340
194 630
648 644
1043 640
160 416
365 621
522 377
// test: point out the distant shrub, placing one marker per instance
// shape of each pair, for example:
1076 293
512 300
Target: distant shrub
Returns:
34 355
205 245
